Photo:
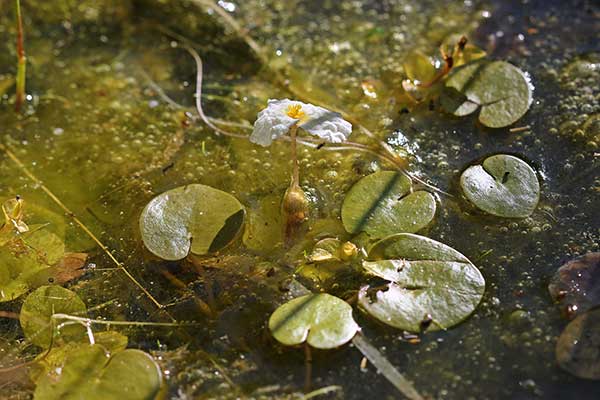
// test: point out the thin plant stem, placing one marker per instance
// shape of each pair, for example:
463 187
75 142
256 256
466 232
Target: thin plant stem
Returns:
21 60
295 166
60 316
308 367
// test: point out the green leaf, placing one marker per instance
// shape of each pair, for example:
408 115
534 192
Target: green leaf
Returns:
193 218
381 204
25 251
503 185
576 285
577 350
326 250
418 67
89 373
503 92
322 320
264 227
429 281
38 308
56 358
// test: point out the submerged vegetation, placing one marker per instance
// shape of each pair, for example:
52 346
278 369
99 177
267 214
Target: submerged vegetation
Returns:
390 231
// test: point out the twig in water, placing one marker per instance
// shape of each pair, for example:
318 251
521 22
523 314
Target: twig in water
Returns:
322 391
519 129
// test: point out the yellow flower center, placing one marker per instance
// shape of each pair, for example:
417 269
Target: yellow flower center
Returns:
295 111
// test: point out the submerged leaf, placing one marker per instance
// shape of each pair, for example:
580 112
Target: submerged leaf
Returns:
70 267
38 308
264 225
503 185
322 320
89 373
193 218
576 285
432 285
578 347
382 204
502 90
56 357
418 67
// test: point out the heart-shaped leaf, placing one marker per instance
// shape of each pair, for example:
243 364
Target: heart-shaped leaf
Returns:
193 218
502 90
382 204
322 320
576 285
503 185
578 347
38 308
432 285
88 373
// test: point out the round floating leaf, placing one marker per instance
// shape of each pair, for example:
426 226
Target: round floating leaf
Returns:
194 218
89 373
578 347
576 285
381 204
432 285
503 185
502 91
40 305
322 320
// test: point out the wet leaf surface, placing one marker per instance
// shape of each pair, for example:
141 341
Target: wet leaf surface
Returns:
382 204
38 308
193 218
578 347
502 90
89 373
430 283
322 320
503 185
576 285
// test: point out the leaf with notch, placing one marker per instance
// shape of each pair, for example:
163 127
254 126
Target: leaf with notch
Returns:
427 280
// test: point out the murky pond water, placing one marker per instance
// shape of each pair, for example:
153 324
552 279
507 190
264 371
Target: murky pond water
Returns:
110 123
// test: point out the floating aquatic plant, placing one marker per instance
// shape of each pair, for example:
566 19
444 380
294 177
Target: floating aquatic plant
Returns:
286 116
503 185
431 285
501 90
280 116
194 218
384 203
322 320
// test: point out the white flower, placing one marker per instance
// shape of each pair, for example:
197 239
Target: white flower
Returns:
279 116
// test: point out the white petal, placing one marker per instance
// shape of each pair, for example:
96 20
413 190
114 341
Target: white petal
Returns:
272 122
328 125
